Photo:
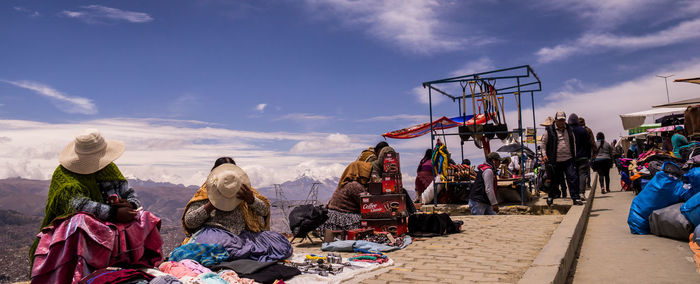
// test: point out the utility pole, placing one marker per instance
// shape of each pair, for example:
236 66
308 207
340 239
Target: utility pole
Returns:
668 99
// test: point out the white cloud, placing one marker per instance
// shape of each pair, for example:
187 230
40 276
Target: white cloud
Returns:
303 116
403 117
179 151
332 143
101 14
599 42
417 26
602 106
482 64
260 107
62 101
30 13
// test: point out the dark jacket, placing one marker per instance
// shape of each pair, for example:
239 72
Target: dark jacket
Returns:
478 189
552 140
583 143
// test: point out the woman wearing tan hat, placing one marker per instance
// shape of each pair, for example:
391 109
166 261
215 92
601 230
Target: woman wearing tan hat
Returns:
228 211
92 216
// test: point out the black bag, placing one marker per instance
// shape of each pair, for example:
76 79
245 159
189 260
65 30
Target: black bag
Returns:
545 178
306 218
427 225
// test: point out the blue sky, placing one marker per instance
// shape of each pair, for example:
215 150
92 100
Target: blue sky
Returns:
294 87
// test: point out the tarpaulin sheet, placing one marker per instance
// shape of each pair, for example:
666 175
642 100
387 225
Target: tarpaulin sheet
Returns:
439 124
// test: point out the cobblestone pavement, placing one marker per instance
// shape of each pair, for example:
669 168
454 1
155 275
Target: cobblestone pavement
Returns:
490 249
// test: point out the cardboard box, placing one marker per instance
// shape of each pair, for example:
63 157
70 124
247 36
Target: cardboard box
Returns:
395 226
391 183
375 188
391 163
383 206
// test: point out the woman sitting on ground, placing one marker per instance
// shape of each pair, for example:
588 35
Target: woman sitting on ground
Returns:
228 211
90 206
344 206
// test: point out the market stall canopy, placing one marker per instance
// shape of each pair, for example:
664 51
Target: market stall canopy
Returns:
515 147
681 103
635 119
663 128
439 124
689 80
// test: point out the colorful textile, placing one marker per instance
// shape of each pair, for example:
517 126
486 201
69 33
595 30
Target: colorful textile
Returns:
211 278
66 186
206 254
246 266
108 276
233 278
176 269
274 272
251 217
440 161
265 246
196 267
439 124
72 247
165 279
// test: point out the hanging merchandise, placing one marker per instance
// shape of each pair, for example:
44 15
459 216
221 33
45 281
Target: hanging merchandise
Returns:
440 160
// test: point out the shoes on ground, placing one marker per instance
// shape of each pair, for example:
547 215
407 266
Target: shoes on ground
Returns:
550 201
578 202
583 198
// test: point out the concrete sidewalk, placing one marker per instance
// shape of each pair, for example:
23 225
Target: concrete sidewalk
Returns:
611 254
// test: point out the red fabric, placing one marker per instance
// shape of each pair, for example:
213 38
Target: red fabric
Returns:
71 248
107 276
424 179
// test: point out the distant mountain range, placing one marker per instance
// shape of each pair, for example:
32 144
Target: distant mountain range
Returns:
166 200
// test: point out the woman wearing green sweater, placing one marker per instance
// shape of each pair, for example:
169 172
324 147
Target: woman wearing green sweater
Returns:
93 219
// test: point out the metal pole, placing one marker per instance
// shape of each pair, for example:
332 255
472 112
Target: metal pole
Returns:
668 98
522 144
432 145
534 126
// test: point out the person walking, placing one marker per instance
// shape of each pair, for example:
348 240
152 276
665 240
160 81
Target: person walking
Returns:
482 196
582 158
560 149
594 149
603 162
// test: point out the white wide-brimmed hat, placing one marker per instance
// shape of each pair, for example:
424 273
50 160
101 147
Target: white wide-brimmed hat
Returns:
223 185
90 152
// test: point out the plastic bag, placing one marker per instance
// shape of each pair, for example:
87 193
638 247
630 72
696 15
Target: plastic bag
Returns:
669 222
662 191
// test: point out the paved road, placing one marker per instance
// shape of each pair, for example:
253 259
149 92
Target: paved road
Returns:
611 254
490 249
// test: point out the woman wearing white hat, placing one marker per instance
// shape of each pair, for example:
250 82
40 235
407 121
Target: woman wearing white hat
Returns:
228 211
90 207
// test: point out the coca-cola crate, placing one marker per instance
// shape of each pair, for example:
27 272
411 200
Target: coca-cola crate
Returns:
383 206
391 183
395 226
358 234
391 163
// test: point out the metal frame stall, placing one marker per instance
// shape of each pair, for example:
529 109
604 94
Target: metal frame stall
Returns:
515 80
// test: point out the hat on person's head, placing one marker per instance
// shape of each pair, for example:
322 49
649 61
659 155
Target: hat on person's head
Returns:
560 115
89 152
547 122
581 121
679 128
493 156
223 185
